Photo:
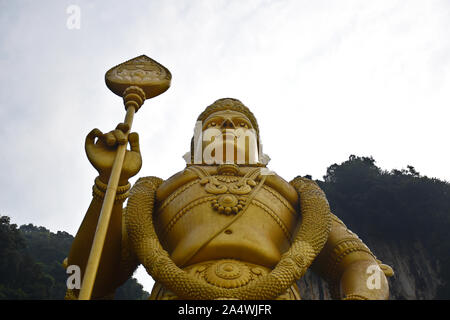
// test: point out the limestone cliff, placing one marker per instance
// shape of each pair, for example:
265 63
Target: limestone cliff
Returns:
417 274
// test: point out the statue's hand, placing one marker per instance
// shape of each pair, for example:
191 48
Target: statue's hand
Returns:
101 153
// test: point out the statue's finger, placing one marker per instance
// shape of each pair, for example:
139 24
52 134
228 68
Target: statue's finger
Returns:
123 127
134 141
109 139
90 138
120 136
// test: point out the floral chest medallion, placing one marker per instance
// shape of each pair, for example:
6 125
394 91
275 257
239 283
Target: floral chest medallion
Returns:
230 189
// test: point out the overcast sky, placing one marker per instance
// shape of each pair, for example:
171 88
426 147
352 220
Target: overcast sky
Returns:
325 79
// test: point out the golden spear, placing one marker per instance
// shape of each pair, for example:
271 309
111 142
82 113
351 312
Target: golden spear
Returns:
135 80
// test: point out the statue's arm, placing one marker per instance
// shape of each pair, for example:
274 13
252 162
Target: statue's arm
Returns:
351 269
117 261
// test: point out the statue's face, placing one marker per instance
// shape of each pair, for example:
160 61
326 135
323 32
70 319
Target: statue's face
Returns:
229 137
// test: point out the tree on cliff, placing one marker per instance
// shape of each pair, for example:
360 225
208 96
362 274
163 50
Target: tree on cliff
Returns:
397 206
30 264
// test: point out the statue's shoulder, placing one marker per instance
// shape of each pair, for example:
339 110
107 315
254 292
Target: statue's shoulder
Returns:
149 179
174 182
279 184
272 180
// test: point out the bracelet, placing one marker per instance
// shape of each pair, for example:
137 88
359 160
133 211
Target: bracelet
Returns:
102 186
99 190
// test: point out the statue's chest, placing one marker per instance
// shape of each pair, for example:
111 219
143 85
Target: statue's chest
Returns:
207 217
214 196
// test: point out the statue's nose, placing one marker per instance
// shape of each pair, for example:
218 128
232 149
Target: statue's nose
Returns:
227 124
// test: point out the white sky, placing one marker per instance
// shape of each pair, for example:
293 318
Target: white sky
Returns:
325 79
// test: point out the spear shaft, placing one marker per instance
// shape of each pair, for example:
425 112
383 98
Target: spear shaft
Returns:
105 215
135 80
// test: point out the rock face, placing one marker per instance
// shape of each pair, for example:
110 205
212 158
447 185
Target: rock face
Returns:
417 274
312 287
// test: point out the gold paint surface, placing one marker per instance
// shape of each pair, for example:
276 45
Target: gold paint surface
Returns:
223 231
142 72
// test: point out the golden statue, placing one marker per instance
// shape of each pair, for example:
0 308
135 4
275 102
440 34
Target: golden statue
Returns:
226 227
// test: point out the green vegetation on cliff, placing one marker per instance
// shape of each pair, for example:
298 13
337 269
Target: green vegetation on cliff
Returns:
30 264
399 206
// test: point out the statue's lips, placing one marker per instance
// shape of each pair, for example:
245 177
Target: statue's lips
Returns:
228 136
231 139
228 140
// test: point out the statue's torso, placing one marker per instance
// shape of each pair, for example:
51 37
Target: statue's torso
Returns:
203 214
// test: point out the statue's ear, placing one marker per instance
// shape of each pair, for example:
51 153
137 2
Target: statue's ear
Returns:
264 158
187 157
